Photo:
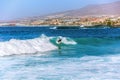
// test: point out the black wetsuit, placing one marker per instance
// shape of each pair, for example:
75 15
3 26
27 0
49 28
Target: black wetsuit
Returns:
59 41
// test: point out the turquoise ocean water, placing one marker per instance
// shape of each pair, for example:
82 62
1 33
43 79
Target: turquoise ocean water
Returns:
31 53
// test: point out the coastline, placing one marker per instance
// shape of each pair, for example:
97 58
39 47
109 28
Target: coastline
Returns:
92 26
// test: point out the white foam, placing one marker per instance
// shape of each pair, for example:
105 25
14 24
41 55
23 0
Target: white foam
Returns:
85 68
14 46
53 28
68 41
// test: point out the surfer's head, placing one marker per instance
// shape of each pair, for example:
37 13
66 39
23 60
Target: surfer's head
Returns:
59 40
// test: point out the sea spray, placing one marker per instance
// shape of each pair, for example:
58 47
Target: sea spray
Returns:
15 46
66 40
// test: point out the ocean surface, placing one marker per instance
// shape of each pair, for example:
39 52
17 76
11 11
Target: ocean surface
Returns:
31 53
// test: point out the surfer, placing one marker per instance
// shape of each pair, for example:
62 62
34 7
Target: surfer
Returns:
59 41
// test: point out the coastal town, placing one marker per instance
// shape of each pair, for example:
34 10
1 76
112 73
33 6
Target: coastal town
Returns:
86 21
107 14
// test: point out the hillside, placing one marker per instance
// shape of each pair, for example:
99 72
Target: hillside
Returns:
96 10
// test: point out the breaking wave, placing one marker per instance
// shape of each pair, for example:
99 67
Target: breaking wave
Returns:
31 46
15 46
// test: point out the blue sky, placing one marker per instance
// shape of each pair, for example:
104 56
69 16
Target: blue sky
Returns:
11 9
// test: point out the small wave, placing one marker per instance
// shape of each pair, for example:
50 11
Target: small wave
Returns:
63 27
53 28
15 46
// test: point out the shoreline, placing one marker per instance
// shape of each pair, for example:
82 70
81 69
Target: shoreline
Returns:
81 26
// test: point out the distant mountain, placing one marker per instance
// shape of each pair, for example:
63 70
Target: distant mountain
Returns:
90 10
93 10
